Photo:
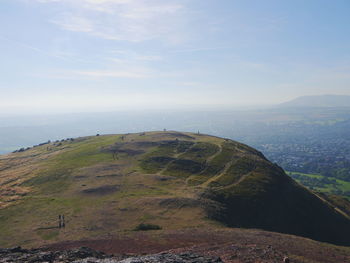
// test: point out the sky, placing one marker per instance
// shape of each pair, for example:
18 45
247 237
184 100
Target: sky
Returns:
101 55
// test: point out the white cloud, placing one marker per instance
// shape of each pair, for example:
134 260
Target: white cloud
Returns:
126 20
75 23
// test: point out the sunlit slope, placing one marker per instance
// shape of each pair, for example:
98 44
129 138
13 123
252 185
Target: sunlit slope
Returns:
107 185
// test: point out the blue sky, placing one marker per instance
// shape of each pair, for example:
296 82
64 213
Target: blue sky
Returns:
96 55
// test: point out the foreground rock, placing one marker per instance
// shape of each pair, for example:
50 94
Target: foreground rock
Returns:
159 258
19 254
87 255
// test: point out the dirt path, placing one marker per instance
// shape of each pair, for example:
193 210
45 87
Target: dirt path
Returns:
222 173
337 209
175 156
216 154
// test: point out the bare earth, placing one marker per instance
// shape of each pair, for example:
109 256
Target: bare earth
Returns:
231 245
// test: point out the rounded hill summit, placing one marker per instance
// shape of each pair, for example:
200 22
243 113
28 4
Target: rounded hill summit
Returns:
110 184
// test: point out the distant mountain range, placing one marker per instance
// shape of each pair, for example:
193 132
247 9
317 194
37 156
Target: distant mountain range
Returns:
319 101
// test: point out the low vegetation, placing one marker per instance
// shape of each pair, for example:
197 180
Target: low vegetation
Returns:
108 184
146 227
321 183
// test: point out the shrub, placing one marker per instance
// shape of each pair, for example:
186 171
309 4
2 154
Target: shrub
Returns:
145 227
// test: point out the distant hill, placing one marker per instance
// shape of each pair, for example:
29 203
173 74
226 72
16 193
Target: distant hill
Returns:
319 101
112 184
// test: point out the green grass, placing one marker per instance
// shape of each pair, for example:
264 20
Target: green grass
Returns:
257 181
214 167
305 174
200 151
56 172
159 157
184 168
143 193
218 163
242 181
48 234
183 146
193 161
340 187
34 213
155 164
239 168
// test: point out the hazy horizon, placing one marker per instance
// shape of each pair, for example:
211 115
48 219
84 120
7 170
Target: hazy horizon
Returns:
60 56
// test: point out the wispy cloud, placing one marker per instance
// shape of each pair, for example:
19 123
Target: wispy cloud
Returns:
94 74
199 49
112 74
129 57
74 23
47 53
125 20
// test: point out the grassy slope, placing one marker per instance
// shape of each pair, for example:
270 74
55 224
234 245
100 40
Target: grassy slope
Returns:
62 173
107 185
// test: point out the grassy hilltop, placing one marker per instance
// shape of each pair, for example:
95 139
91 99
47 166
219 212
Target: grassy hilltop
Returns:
109 185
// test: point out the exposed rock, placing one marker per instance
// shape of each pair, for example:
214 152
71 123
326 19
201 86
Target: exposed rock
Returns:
18 254
158 258
87 255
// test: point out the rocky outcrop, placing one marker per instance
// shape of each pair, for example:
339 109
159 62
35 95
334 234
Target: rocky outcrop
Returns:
19 254
159 258
87 255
